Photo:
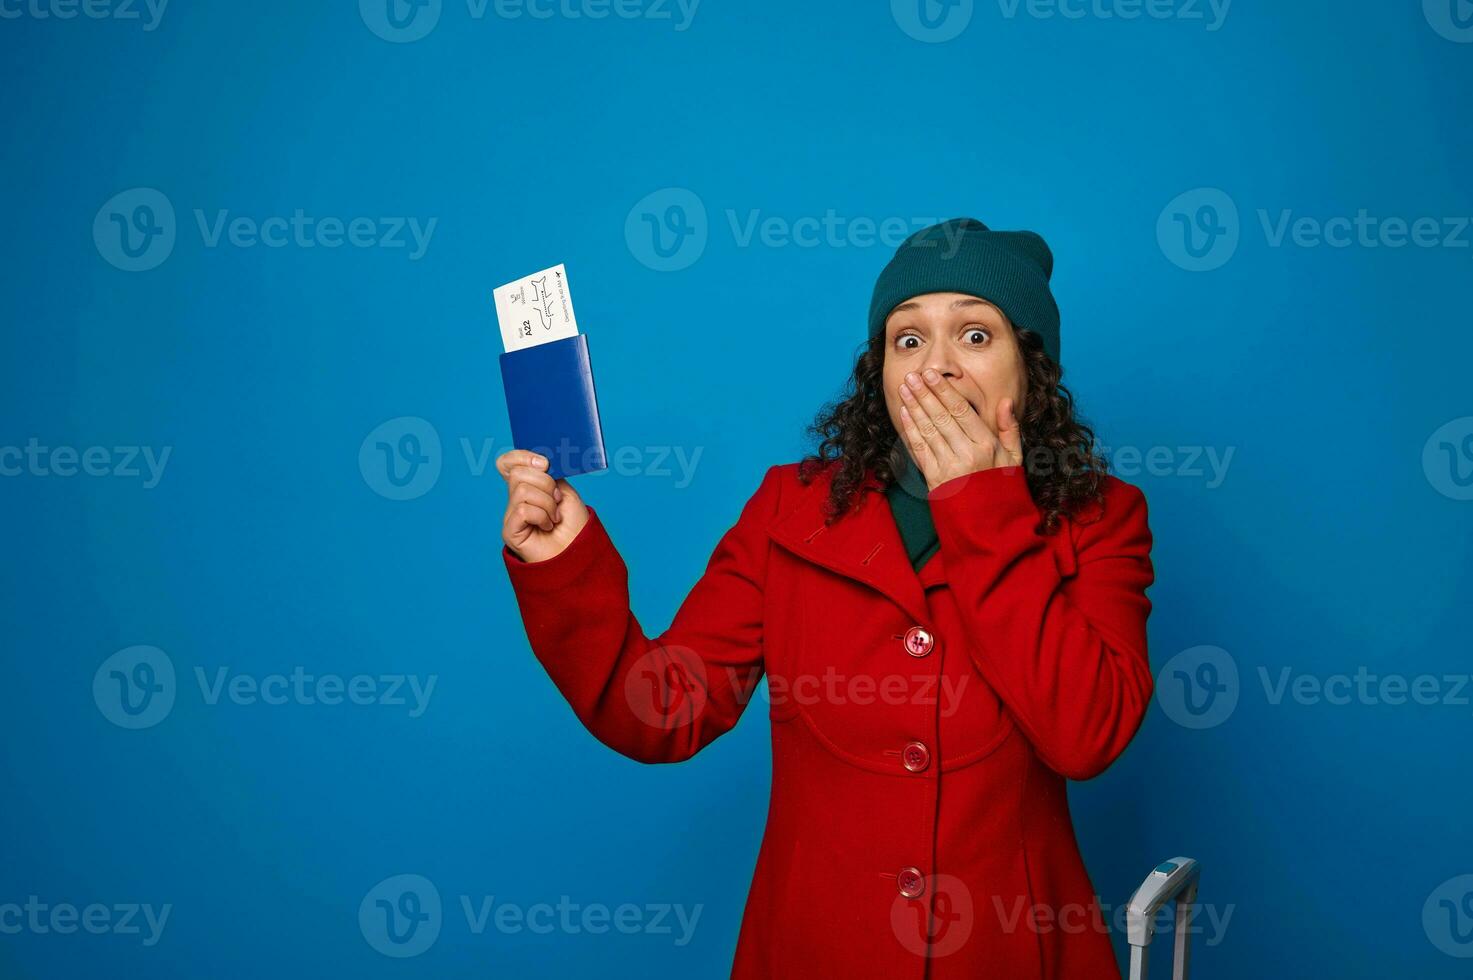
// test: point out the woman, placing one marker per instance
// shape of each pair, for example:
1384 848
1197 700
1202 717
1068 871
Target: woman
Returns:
948 601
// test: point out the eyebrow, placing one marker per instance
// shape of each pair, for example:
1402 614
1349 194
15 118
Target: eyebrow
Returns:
956 304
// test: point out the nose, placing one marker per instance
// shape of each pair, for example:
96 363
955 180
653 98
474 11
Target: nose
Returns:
944 362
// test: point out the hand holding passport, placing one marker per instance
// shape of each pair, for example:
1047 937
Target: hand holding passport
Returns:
553 410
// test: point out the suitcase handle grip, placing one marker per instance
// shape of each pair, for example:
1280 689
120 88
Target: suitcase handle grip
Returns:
1175 879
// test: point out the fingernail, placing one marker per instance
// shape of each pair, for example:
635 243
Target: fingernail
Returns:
540 462
932 376
914 380
905 393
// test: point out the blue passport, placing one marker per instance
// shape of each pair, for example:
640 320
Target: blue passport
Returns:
552 407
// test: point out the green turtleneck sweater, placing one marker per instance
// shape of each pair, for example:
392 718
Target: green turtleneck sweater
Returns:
912 515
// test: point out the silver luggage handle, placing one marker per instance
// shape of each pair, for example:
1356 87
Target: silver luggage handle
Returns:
1174 879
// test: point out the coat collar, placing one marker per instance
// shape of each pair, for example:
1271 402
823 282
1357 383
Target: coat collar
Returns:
863 545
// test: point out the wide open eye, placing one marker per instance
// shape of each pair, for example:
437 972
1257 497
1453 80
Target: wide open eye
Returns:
976 336
907 341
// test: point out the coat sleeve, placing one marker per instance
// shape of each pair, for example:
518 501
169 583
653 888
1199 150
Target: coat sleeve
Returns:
658 699
1067 656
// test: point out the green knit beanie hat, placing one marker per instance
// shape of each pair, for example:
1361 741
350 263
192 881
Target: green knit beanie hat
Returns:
1009 269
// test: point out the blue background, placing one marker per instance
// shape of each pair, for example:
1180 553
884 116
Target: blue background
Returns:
1323 829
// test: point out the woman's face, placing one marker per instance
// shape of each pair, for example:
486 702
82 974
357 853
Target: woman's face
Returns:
963 339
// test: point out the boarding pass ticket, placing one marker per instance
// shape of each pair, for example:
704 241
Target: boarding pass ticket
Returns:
535 309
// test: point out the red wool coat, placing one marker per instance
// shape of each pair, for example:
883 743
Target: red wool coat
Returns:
923 726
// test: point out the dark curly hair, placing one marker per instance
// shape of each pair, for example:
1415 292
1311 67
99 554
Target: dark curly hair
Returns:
1065 472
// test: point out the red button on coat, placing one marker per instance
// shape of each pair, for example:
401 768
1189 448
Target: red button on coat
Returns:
918 642
911 883
916 756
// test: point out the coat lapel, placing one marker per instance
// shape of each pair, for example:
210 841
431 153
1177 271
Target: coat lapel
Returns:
863 545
